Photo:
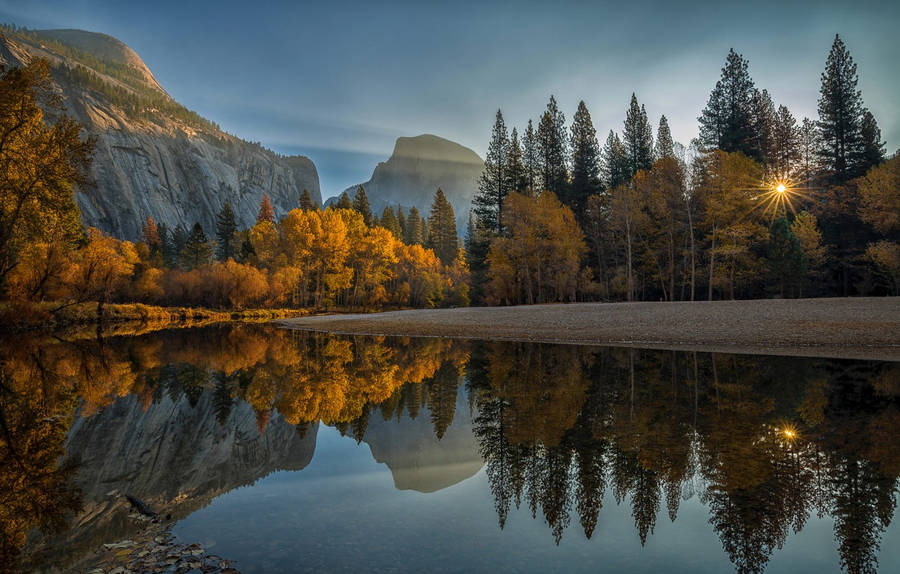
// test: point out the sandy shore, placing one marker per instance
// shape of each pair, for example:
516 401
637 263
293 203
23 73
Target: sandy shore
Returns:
866 328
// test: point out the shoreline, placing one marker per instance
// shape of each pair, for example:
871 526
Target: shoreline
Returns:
850 328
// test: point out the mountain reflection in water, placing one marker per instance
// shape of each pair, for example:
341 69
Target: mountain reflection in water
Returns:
179 418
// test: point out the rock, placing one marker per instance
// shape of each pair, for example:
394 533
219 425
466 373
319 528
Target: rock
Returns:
122 544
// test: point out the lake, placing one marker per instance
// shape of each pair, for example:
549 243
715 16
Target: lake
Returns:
291 451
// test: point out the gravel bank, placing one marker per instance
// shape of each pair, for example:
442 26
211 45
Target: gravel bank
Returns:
864 327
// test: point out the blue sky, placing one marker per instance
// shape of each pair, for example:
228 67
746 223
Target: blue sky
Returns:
339 81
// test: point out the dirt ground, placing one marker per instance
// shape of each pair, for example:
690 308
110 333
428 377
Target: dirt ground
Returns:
864 328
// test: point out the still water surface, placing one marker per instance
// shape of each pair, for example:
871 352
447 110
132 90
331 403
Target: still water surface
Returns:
288 451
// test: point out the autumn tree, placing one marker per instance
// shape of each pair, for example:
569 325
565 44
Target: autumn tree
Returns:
150 235
103 267
40 163
226 233
266 211
442 229
662 191
879 206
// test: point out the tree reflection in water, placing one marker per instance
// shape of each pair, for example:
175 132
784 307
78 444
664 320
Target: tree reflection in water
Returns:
762 441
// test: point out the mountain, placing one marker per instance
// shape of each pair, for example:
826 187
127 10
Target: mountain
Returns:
154 157
418 460
420 165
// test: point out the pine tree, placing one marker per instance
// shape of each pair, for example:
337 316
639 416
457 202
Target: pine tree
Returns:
872 146
637 138
401 221
414 229
266 211
226 233
585 161
492 187
615 162
665 145
165 242
196 251
809 144
344 202
763 120
361 205
726 121
530 159
515 168
306 202
786 144
389 222
477 243
840 115
442 236
552 152
179 239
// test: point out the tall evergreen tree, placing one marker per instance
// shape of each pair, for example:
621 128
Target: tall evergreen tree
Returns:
414 229
637 138
306 202
809 145
615 162
477 243
530 158
179 239
515 168
196 251
361 205
840 115
763 120
344 202
872 146
552 152
665 145
726 121
585 161
442 236
492 187
226 233
389 222
266 211
786 145
401 221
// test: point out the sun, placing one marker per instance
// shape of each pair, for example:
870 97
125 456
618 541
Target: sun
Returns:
778 197
780 188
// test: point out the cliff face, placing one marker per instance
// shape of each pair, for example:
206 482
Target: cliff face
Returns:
153 157
174 457
417 168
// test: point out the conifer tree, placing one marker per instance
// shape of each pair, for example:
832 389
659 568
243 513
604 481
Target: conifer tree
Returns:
361 205
840 116
196 251
165 244
442 236
786 144
637 138
401 221
414 228
615 162
872 146
530 160
389 222
665 145
226 233
809 145
179 239
492 187
306 202
344 202
515 168
266 211
763 117
477 244
726 121
552 152
585 161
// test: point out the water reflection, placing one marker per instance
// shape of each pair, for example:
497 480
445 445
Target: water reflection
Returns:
181 417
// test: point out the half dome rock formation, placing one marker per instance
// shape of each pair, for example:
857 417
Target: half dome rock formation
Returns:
417 168
154 157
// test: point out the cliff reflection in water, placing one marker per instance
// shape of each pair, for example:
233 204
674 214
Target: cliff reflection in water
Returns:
179 417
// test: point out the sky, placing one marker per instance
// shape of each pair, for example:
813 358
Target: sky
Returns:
340 81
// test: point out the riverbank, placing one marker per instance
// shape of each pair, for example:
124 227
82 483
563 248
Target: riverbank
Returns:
860 328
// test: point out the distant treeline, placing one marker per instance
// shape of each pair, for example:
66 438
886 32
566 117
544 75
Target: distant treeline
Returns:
759 205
